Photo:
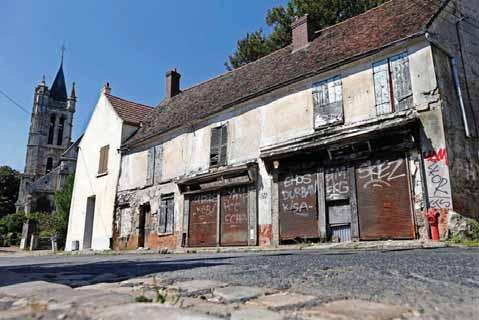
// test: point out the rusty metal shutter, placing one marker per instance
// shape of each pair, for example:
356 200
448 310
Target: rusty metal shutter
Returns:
384 202
203 220
298 208
234 217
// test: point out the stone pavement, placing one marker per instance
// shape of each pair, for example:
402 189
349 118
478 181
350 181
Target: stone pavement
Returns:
149 298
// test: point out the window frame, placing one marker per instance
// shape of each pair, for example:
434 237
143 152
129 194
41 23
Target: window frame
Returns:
386 65
103 161
220 149
319 89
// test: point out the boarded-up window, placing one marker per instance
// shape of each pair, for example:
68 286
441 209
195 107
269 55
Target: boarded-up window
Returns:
218 149
103 163
155 155
328 102
392 84
166 215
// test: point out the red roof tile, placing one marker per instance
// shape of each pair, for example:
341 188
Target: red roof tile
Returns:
364 34
130 112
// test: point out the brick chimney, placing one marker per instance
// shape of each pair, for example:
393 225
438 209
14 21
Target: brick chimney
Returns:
172 83
302 33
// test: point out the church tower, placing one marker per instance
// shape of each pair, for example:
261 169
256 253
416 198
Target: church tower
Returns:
50 131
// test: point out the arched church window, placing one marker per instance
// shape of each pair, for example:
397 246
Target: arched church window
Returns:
61 126
49 165
51 129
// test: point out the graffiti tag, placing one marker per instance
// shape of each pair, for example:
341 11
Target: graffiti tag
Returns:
381 173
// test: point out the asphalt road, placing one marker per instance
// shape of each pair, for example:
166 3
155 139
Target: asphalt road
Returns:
441 283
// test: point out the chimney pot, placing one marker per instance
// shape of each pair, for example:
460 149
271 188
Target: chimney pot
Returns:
302 32
107 88
172 83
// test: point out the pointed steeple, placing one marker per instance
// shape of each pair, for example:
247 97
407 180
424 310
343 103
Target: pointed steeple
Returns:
58 90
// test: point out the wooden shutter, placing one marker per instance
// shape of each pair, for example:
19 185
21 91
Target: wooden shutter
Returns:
381 87
158 163
401 82
170 215
103 163
328 102
150 173
224 144
215 146
162 217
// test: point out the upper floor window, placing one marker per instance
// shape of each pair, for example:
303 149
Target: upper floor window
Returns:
328 102
61 126
153 173
51 129
218 147
166 214
103 163
49 166
392 84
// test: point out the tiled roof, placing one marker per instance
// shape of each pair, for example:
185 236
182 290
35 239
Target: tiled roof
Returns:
391 22
131 112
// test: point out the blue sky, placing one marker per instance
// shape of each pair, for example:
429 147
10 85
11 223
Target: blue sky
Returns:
131 44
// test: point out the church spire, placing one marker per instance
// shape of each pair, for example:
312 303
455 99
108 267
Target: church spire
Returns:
58 90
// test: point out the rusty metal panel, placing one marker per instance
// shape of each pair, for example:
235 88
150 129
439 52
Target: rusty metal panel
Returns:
298 208
341 233
384 202
203 219
234 217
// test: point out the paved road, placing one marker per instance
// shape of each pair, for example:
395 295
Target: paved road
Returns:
442 283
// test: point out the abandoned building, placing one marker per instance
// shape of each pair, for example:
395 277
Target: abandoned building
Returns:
350 133
114 121
51 154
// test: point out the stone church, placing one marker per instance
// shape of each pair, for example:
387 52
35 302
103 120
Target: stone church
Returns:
51 155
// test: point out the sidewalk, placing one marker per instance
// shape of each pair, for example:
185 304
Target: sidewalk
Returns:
360 245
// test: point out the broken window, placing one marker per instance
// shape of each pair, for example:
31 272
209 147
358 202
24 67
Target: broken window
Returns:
155 155
218 149
392 84
103 163
328 102
166 214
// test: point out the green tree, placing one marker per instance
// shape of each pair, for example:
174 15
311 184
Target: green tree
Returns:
63 200
323 13
9 184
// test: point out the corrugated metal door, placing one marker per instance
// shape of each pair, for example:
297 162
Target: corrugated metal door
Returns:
384 203
234 217
298 207
203 220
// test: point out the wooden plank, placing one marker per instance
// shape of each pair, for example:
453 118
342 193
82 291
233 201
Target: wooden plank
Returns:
354 203
322 221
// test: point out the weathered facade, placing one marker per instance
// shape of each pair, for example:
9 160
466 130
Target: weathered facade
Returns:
350 134
113 122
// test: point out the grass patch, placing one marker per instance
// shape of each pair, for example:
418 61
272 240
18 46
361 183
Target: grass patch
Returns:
143 299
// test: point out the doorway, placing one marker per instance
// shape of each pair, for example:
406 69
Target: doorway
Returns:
89 216
144 213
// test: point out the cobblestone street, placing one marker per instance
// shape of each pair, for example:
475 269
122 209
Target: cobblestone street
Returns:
303 284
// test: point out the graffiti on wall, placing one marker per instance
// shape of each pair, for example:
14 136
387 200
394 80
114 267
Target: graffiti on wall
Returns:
298 194
437 178
337 183
380 174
